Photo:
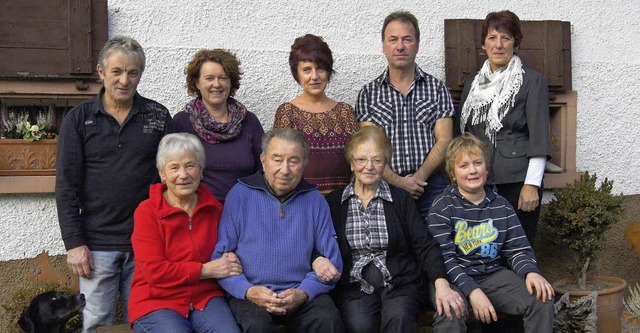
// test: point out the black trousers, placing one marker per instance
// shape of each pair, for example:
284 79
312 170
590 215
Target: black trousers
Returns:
528 220
318 315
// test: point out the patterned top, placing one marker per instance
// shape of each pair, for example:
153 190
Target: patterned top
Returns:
229 160
366 232
327 134
474 239
408 120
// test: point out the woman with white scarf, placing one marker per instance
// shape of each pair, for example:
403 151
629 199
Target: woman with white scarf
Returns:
507 106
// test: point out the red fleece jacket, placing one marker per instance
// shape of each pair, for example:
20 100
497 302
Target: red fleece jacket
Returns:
169 252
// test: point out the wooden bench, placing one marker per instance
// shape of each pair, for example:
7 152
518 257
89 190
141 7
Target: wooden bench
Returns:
123 328
425 322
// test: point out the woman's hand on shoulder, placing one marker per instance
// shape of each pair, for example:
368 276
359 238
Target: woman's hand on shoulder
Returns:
223 267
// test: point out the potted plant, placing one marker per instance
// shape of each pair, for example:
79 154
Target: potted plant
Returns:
28 141
16 124
580 215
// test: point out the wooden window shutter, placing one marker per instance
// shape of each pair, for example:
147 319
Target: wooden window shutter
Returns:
79 36
52 39
546 47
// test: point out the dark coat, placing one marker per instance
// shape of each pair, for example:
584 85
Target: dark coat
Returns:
411 247
525 131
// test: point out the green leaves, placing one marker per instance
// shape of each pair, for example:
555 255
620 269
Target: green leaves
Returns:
19 127
581 214
32 132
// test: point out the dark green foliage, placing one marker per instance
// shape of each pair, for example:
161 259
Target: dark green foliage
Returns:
581 214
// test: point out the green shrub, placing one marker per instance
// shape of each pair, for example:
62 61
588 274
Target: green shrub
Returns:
580 214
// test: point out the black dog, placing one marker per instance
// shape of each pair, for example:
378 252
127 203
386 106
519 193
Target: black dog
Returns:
49 312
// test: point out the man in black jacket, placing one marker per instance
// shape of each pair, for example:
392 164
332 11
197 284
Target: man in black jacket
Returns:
105 164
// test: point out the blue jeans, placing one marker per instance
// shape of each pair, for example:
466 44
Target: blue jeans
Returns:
215 317
112 274
435 185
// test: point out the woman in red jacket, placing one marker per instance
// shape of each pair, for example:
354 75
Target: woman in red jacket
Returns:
175 230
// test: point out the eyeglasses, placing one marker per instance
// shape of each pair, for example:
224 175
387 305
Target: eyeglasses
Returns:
376 161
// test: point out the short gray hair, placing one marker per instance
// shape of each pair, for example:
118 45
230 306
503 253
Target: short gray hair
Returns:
288 134
127 45
176 144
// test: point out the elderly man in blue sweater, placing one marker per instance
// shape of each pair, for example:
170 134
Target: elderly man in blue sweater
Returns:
274 221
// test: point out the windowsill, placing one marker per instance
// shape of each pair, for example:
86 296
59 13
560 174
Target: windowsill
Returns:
27 184
35 91
563 139
559 180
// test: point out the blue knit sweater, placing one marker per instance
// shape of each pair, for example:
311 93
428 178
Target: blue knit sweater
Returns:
275 240
475 238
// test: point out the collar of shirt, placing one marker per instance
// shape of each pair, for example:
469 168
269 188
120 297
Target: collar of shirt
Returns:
135 107
420 75
383 191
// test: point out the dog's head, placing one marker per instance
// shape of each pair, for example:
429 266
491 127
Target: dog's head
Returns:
49 311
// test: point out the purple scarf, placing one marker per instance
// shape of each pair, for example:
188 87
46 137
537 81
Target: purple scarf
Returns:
208 128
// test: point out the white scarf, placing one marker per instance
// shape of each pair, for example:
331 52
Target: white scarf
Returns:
491 96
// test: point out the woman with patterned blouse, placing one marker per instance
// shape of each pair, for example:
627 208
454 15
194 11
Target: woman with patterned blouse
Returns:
326 124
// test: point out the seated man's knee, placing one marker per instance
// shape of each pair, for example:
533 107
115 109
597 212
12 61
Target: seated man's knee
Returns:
258 326
256 322
322 315
251 317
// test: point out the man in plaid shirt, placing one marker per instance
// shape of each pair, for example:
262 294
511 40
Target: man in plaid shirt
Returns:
413 108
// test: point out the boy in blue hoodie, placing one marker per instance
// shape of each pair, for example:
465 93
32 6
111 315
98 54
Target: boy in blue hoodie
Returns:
478 231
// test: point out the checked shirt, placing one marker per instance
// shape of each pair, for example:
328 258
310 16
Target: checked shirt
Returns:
408 120
366 232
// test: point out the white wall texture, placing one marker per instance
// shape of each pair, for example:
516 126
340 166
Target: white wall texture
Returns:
606 68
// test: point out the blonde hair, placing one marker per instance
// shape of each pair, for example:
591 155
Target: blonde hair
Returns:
366 134
465 143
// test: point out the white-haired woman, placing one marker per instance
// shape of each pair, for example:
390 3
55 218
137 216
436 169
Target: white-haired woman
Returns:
174 285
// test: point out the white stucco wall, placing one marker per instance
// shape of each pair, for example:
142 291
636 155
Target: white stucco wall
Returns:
606 68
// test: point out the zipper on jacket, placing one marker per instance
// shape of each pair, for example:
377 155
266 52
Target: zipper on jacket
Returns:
281 209
190 224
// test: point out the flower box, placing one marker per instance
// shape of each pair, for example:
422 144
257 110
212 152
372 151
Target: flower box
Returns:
20 157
